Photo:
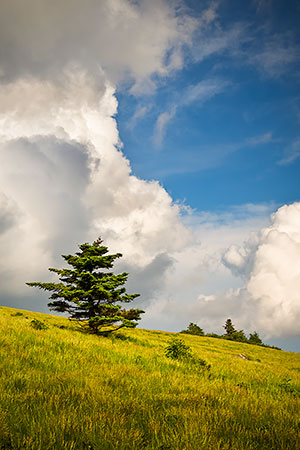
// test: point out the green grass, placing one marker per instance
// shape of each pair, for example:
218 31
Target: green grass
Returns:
61 389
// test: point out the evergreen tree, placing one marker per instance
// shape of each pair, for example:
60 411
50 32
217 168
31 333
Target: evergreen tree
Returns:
229 328
193 328
90 293
255 339
232 334
238 336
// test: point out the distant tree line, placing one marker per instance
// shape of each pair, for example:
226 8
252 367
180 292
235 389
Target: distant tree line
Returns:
230 334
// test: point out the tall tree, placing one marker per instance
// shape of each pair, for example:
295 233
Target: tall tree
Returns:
90 293
229 328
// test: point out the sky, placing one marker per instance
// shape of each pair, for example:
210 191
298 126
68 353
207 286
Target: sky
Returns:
171 130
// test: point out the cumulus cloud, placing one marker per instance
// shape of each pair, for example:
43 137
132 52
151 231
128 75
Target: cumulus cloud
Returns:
262 291
39 38
63 177
274 283
64 180
198 285
151 279
267 261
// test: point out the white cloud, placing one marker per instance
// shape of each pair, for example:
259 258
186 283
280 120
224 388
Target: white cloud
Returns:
161 123
140 112
200 93
269 262
276 55
63 178
234 259
211 155
263 5
292 152
41 38
210 14
8 213
263 292
203 91
215 40
258 140
198 285
274 283
63 181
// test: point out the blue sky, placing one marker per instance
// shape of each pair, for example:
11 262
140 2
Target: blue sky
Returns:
170 128
236 140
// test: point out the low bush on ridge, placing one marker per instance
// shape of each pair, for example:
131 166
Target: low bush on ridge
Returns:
177 349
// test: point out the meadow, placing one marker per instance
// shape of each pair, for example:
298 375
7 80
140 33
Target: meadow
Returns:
62 389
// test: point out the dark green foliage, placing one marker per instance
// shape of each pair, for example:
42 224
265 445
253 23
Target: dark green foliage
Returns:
90 293
238 336
38 325
271 346
231 334
193 328
234 335
177 349
17 314
214 335
255 339
229 328
290 388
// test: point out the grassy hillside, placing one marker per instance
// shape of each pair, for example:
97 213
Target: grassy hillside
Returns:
61 389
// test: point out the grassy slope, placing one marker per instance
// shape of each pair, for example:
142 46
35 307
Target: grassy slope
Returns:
61 389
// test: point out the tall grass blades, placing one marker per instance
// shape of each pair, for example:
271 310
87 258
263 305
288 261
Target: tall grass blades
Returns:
62 389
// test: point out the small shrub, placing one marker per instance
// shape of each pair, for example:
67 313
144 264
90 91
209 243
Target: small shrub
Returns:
286 386
177 349
17 314
38 325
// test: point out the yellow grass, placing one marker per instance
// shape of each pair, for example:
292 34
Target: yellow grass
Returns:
62 389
